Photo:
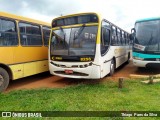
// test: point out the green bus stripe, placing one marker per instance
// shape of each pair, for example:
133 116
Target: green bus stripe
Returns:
141 55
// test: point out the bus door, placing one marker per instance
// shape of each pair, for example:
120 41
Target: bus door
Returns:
105 46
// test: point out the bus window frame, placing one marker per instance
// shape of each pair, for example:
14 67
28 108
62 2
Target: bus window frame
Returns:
109 29
123 38
43 34
119 36
34 24
115 35
125 35
16 30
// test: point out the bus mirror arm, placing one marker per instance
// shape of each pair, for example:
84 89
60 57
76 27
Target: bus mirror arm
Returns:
132 35
133 30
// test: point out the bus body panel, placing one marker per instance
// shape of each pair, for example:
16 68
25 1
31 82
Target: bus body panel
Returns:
106 61
120 53
139 60
17 71
140 63
22 60
6 55
42 66
27 69
29 54
105 68
90 72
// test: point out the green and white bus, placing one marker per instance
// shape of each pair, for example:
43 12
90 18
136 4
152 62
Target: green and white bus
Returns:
146 45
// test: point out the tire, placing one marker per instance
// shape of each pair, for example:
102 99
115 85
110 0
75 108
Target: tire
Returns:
128 60
112 68
141 68
4 79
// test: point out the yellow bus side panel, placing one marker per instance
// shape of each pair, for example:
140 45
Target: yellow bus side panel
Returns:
13 55
28 54
29 69
17 71
42 66
6 55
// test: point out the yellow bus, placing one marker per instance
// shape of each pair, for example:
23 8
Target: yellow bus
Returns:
86 45
23 47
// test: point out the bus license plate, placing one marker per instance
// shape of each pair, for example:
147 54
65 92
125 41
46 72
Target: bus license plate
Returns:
69 71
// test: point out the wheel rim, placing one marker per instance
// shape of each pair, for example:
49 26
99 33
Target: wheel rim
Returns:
1 80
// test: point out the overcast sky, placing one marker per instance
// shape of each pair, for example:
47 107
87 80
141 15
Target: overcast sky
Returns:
120 12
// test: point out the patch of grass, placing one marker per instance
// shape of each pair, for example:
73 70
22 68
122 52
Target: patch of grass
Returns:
135 96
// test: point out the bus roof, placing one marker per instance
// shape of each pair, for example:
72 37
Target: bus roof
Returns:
8 15
100 17
148 19
77 14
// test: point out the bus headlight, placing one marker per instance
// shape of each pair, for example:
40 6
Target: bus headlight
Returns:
138 58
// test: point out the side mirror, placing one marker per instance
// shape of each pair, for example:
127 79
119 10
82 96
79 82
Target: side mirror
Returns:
133 30
132 35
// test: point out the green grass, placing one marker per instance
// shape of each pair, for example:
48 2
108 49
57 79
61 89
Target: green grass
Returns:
135 96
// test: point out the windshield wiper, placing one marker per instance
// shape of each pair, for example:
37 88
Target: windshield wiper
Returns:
79 32
62 32
60 38
64 36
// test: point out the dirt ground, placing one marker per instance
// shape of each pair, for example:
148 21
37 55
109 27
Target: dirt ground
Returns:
45 80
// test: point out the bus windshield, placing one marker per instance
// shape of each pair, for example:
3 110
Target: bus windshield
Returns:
77 41
147 37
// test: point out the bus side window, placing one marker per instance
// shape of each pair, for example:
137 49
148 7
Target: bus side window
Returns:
114 36
105 40
119 36
30 34
123 39
8 33
127 39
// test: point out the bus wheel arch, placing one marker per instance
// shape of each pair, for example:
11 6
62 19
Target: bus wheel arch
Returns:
5 76
112 66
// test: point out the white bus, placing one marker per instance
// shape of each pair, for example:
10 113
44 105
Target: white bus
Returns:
86 46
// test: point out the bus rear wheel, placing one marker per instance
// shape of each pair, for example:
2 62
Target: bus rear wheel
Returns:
112 68
4 79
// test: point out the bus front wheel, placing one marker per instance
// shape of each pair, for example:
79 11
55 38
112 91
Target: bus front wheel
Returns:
112 67
4 79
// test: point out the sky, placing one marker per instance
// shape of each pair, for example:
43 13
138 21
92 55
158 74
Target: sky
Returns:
123 13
